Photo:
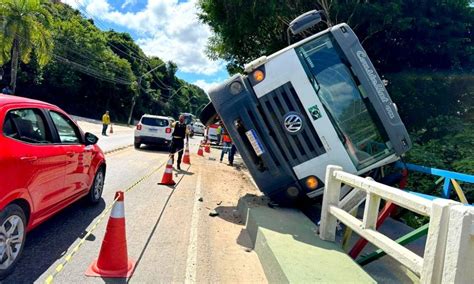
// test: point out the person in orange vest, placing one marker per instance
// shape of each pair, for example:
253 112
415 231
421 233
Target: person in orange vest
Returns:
226 143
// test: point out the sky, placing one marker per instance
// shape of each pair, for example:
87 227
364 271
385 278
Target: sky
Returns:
169 29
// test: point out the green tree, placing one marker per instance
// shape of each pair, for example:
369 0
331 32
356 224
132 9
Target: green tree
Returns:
93 70
24 27
435 34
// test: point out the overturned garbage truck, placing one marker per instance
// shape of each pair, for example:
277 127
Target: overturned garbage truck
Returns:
317 102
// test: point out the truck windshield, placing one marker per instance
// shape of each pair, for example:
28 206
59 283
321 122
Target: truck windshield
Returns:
345 102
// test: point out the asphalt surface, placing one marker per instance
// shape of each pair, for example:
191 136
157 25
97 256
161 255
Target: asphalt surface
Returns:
122 136
116 141
48 244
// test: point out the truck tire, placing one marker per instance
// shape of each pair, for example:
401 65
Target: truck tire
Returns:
208 115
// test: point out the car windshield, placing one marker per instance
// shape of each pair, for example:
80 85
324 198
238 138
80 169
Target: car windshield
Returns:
152 121
345 102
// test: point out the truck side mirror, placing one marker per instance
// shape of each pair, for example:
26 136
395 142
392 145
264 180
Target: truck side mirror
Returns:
304 22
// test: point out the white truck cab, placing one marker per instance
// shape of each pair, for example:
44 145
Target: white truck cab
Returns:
316 102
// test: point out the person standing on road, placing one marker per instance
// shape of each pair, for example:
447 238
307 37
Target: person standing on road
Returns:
177 143
226 143
105 123
219 133
232 151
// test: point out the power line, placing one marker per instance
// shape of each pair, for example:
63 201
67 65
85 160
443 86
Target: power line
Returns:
85 69
90 58
101 25
91 71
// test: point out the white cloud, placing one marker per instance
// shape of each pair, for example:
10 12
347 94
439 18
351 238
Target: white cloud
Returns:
165 28
128 2
205 85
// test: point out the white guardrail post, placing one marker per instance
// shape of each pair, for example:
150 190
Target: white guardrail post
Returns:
332 192
450 241
459 259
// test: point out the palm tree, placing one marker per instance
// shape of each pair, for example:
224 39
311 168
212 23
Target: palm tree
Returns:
23 28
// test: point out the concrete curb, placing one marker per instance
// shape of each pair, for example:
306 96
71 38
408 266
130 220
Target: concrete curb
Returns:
289 250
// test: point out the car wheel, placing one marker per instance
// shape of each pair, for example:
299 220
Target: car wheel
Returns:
12 238
136 145
95 193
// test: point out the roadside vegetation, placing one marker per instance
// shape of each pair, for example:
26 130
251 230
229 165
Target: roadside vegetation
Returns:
424 48
51 52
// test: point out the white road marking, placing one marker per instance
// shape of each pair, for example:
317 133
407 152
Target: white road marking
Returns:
191 261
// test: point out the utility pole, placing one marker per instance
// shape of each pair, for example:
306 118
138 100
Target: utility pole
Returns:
139 82
134 100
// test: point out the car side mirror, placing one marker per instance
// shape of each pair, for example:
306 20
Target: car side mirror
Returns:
91 139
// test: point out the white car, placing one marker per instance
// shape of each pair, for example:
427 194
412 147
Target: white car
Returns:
153 130
198 128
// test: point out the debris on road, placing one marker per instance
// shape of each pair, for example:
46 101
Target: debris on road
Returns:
200 199
213 213
219 203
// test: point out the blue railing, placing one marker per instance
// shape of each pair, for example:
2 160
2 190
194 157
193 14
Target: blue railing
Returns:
449 178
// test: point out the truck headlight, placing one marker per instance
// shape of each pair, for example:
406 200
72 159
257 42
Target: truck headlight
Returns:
235 88
311 182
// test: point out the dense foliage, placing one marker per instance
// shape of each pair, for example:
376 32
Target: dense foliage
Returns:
24 25
424 48
91 71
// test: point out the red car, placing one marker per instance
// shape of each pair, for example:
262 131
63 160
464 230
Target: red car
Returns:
46 163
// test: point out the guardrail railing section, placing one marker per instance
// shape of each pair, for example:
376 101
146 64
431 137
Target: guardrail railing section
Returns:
444 243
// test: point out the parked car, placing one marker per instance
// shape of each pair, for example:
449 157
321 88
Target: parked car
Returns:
212 133
153 130
199 128
46 163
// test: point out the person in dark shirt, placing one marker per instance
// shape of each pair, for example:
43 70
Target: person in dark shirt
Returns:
7 90
177 143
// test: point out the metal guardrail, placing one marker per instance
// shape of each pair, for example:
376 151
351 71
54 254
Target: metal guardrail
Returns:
439 253
450 179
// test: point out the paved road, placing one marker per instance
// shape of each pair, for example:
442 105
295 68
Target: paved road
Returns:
49 242
168 249
122 136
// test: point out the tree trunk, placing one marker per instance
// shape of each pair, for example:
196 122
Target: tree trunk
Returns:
14 70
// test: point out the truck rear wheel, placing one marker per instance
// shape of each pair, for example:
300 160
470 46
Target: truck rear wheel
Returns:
208 114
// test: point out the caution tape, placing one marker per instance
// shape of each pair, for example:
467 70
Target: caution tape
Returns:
73 252
68 258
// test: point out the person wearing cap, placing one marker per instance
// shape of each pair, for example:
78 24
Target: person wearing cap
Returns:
180 132
105 123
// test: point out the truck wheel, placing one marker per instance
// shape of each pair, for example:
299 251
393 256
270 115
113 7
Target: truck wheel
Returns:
136 145
12 238
208 114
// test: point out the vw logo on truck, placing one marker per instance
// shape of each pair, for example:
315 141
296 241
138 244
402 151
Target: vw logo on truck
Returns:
293 122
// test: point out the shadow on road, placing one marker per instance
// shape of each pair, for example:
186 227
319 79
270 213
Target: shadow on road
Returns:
51 240
229 214
153 148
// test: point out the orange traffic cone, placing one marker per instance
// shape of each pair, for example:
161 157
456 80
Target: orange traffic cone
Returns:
186 158
111 129
207 149
168 175
200 151
113 258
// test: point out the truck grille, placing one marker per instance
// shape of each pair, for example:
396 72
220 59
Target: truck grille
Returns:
298 147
